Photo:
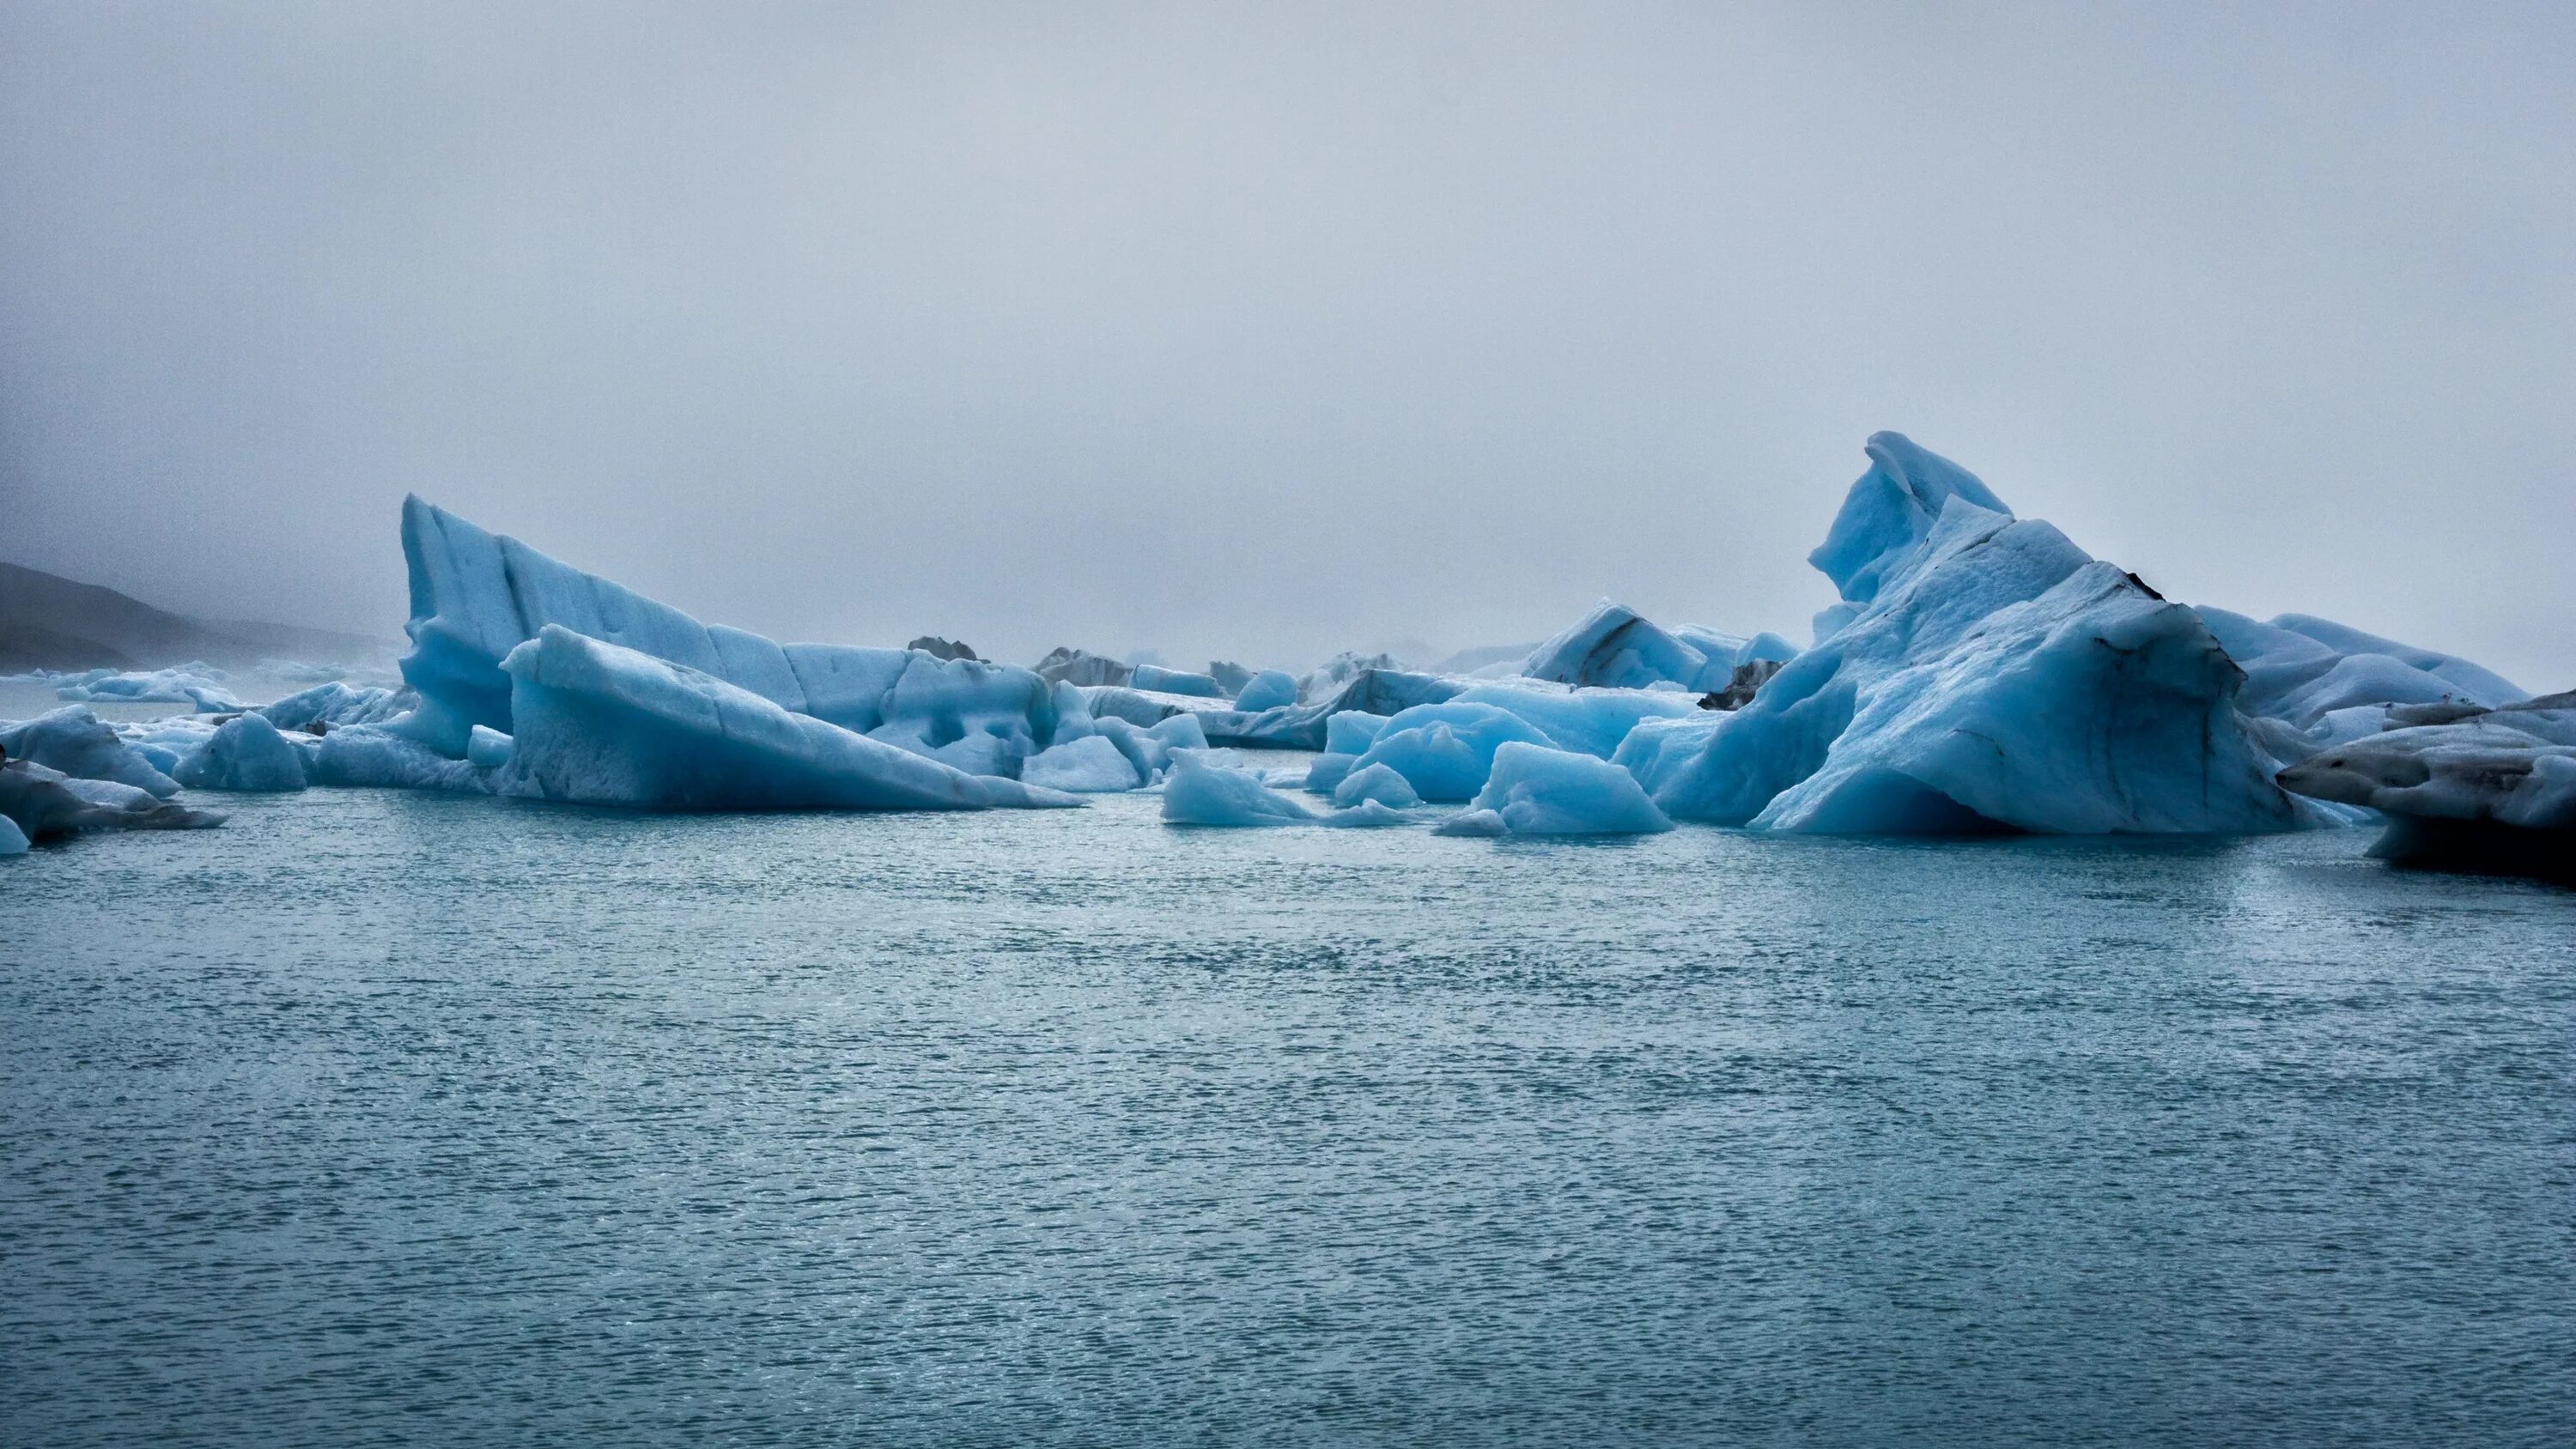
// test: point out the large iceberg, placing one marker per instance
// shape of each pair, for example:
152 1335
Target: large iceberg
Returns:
476 596
2464 788
1988 675
603 724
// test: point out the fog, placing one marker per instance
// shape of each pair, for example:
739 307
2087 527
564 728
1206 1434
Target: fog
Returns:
1274 331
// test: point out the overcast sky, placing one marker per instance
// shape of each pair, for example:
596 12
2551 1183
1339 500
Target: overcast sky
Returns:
1276 330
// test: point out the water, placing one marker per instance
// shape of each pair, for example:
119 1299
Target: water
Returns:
379 1118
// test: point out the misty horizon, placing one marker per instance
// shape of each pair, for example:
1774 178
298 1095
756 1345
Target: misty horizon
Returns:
1266 336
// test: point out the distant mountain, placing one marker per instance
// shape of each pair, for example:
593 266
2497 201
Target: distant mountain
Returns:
51 622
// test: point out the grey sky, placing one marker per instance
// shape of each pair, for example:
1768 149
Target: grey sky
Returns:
1281 329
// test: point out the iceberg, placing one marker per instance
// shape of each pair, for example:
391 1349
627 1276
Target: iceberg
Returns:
602 724
476 596
1989 675
332 704
84 747
376 757
245 753
1155 679
43 803
1377 783
13 841
1269 689
1588 721
1200 793
1535 790
1366 815
1445 751
1614 646
1064 665
2470 789
1093 764
198 685
2335 682
1473 823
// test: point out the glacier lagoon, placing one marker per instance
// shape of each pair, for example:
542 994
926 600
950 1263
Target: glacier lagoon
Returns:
396 1116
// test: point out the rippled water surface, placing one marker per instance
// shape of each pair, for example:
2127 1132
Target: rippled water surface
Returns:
377 1118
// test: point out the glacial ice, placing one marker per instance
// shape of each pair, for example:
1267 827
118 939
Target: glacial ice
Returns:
1444 751
488 749
1379 783
1325 773
245 753
13 841
377 757
1614 646
1270 689
1352 731
606 725
1473 823
1990 675
2300 670
476 596
2467 788
78 743
1155 679
332 704
198 685
1540 791
1089 765
1200 793
1366 815
44 802
1589 721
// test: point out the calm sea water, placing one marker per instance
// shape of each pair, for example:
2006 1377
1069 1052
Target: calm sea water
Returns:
379 1118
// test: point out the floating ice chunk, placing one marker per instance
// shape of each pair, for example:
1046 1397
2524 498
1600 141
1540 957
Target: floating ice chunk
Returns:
245 753
1379 783
1269 689
1367 814
1473 823
1445 750
1159 680
475 597
1540 791
13 841
986 752
1084 766
375 757
1615 647
1199 793
2301 669
78 743
44 802
1326 773
1995 677
1352 731
332 704
488 748
198 685
1890 511
1180 732
606 725
2477 790
1592 721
